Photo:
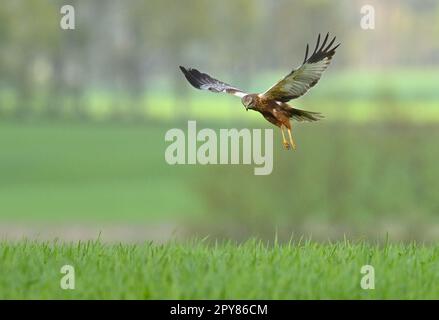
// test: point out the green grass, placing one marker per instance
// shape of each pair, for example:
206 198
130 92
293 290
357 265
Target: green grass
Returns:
198 270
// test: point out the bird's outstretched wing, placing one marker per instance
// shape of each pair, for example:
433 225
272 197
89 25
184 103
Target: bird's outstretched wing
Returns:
203 81
300 80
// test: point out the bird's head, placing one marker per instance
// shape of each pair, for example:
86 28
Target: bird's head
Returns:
248 102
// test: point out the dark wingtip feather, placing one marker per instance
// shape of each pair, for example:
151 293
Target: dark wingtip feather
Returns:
192 76
317 44
306 53
330 44
185 71
324 50
324 42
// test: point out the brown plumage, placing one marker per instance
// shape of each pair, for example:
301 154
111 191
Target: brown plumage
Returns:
272 104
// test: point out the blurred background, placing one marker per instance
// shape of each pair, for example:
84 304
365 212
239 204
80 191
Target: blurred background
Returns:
84 112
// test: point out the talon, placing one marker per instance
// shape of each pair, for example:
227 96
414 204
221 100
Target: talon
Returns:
291 139
287 146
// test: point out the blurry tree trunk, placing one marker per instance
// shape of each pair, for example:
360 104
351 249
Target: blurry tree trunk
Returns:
55 87
24 89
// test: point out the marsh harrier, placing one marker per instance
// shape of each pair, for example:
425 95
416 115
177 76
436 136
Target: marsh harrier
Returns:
272 104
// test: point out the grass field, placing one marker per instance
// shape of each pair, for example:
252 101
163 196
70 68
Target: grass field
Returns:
198 270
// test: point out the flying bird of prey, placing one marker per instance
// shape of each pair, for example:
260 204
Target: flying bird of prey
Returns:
272 104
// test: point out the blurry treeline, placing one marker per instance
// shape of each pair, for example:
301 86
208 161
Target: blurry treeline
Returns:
122 54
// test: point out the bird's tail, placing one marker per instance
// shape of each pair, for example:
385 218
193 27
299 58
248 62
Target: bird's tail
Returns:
302 115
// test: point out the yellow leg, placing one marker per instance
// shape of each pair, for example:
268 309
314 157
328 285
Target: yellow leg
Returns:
284 141
291 139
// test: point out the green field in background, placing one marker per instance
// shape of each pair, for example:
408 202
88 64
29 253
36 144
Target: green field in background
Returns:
74 172
381 176
196 270
352 95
